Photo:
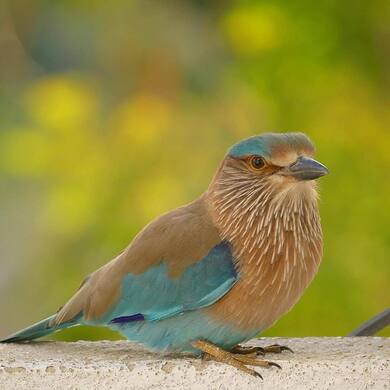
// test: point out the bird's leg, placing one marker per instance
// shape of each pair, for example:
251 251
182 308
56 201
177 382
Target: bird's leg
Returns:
274 348
233 359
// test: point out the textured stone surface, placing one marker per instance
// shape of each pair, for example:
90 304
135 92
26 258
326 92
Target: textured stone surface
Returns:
318 363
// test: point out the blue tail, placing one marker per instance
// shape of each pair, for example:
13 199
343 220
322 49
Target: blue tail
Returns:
40 329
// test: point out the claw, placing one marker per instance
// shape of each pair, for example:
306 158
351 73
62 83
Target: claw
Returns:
257 375
275 365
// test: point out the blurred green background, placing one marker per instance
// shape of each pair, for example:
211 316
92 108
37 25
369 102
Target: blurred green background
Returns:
114 112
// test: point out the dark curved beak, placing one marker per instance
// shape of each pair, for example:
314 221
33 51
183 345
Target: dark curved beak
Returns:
306 168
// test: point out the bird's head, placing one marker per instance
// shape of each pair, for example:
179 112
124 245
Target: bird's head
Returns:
287 156
271 166
263 200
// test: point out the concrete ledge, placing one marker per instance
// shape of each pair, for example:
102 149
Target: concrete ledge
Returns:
318 363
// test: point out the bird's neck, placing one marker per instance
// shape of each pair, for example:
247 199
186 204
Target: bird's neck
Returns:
276 238
265 215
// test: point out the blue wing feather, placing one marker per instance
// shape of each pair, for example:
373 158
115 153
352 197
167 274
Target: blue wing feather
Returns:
154 296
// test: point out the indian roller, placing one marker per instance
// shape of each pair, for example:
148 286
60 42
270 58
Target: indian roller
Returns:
214 273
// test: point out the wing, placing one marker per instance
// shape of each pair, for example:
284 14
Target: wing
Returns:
177 263
154 295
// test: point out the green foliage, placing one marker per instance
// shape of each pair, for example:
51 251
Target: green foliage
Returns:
114 112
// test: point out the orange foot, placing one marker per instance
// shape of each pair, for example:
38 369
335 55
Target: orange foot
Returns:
237 360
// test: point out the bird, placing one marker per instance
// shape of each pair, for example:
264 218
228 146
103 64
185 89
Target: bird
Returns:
212 274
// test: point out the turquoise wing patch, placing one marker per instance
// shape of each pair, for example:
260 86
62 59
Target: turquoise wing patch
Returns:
153 295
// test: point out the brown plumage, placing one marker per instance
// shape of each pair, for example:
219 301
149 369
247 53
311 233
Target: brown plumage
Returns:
272 222
180 237
275 229
213 273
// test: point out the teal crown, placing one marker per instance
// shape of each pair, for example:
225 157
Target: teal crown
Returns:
263 145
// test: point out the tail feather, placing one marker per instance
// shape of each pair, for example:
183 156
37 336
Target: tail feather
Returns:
40 329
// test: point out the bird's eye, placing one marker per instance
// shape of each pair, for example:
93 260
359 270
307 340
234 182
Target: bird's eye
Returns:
257 162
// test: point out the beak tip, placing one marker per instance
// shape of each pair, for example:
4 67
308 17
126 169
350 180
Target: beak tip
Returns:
325 171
